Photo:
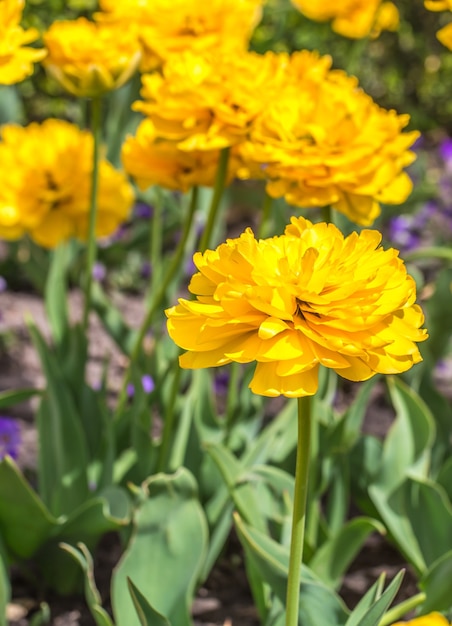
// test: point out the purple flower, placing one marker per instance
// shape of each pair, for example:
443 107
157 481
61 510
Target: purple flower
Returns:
143 211
99 272
146 270
10 438
148 383
445 150
221 382
130 390
402 232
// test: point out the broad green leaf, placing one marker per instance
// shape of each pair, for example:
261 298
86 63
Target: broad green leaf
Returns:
25 522
348 429
444 478
331 560
83 558
368 599
147 615
437 584
430 513
63 455
16 396
56 292
166 551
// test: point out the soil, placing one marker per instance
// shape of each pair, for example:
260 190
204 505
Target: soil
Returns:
225 599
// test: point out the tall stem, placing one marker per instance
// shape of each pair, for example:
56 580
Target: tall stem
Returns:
96 127
158 296
299 510
220 183
155 243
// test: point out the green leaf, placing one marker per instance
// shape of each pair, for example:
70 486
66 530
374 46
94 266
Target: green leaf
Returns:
332 559
83 558
16 396
368 599
376 611
24 520
147 615
5 587
437 584
318 603
56 292
63 454
166 551
112 320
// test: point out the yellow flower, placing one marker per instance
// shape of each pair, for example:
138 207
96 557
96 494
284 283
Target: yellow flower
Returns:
207 102
152 161
438 5
45 184
432 619
292 302
352 18
173 26
323 141
16 61
88 59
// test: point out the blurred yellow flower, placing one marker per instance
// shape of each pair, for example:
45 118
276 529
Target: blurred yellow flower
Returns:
432 619
438 5
352 18
173 26
152 161
292 302
323 141
207 102
16 61
45 184
88 59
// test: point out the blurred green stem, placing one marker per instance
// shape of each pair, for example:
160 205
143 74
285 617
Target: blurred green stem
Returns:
434 252
232 396
220 183
158 296
326 214
96 127
299 510
266 217
155 244
168 427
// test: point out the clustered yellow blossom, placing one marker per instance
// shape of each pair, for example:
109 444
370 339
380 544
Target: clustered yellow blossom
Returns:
331 146
432 619
352 18
87 58
445 33
16 59
45 184
166 27
295 301
309 131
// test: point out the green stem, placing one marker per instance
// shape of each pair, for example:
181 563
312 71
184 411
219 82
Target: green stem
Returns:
232 396
326 214
96 127
266 217
397 612
155 244
158 296
299 510
433 252
168 427
220 183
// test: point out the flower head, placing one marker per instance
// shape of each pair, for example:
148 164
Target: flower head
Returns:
333 146
292 302
87 58
153 161
49 197
16 59
352 18
166 27
10 438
